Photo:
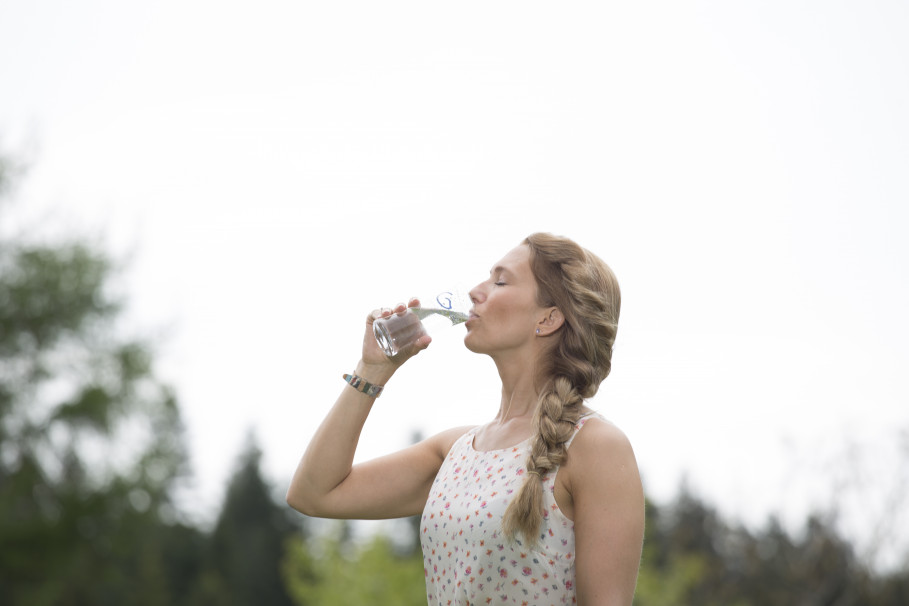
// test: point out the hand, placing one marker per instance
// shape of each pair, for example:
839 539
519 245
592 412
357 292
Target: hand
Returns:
374 359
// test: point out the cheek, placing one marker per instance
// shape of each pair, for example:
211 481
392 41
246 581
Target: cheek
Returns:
516 320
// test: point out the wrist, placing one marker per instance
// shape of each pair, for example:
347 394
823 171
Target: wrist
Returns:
364 386
378 374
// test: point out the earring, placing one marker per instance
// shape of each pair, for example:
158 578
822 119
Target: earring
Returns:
538 331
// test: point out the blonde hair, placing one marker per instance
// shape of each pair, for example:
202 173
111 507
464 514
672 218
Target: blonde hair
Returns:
585 290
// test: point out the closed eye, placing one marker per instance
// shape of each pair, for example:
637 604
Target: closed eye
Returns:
499 273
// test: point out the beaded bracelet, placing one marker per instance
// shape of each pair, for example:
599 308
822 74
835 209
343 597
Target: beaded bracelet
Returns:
364 386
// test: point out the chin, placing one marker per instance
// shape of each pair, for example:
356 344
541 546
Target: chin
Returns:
471 344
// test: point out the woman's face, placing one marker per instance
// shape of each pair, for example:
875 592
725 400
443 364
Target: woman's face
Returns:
505 313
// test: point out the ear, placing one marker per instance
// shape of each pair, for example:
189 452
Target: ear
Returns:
550 322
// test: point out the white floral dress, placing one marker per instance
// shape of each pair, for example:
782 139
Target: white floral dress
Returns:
467 561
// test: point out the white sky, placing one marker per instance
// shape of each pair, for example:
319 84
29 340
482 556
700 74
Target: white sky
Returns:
278 169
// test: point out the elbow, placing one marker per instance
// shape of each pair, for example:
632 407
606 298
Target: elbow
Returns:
298 501
307 503
293 502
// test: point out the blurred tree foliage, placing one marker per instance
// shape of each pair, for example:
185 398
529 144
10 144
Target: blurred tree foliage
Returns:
90 440
333 570
692 556
247 546
91 449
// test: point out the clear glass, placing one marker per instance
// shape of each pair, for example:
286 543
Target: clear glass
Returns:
397 331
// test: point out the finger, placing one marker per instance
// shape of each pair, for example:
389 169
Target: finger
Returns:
414 348
414 302
423 342
382 312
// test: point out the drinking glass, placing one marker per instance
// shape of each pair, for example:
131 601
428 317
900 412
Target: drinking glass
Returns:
394 333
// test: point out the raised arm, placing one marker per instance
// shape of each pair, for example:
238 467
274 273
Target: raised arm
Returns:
327 484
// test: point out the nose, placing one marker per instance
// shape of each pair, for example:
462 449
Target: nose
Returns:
476 294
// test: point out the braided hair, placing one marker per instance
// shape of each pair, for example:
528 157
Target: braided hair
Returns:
587 293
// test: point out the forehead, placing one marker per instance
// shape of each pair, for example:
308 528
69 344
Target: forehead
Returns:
516 261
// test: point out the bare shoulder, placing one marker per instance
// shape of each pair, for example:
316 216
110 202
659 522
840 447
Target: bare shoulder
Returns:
442 442
601 437
602 446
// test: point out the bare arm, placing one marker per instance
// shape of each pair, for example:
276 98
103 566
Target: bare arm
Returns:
608 504
327 484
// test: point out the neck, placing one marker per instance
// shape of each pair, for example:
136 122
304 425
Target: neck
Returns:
519 394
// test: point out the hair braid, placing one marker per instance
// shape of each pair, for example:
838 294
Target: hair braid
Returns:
585 290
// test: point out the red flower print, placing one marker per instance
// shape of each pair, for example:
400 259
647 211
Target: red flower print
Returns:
503 573
526 571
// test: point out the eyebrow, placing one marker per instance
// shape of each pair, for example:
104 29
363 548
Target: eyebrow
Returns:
500 269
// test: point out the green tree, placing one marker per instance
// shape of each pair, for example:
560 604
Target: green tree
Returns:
693 556
248 542
90 439
332 570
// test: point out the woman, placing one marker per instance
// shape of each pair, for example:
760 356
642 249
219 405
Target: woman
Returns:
511 514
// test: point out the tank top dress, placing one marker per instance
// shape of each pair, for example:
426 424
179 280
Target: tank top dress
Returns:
466 558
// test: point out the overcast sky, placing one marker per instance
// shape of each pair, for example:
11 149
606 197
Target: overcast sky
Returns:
275 170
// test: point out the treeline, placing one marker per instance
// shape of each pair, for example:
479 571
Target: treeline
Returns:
92 450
